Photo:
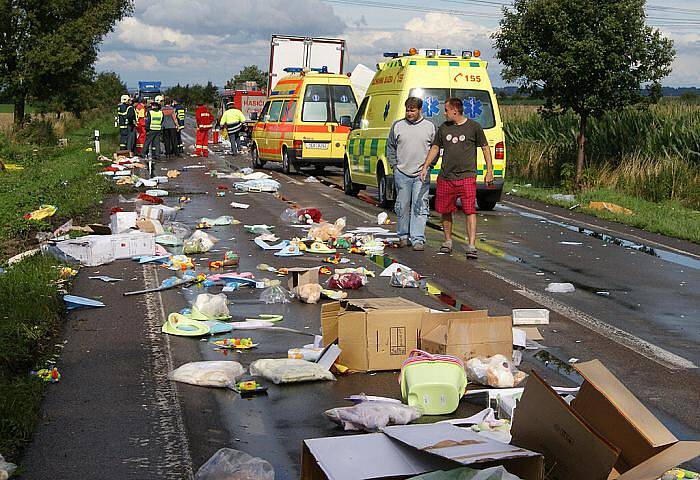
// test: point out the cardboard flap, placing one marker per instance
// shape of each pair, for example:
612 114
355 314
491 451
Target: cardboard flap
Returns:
381 304
433 319
329 322
545 423
671 457
633 411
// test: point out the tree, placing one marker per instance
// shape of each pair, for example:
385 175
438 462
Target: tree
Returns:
589 56
251 73
49 47
106 89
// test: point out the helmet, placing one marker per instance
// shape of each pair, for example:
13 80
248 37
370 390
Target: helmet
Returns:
231 104
159 98
125 98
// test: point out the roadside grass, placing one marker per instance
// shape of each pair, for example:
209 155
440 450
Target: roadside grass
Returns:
32 309
668 217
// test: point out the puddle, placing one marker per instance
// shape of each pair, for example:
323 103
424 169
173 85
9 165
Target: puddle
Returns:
557 365
666 255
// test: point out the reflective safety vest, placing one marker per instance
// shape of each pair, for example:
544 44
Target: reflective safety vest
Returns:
156 120
122 112
180 115
140 110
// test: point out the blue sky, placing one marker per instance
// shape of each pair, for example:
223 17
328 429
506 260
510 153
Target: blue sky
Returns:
194 41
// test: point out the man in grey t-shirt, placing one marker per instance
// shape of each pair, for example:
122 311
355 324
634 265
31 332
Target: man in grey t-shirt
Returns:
408 144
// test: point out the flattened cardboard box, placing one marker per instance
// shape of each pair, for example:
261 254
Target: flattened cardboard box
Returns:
467 334
373 333
606 432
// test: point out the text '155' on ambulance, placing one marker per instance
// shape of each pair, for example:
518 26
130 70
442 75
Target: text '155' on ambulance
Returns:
305 121
434 76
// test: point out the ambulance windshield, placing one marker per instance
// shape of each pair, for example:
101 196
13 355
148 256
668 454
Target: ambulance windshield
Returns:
477 104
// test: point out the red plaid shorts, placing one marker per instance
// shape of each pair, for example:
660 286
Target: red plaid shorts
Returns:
448 191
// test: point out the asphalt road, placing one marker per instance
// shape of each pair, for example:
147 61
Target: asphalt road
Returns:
643 330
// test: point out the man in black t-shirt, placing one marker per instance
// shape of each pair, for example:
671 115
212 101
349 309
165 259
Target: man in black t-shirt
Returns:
458 138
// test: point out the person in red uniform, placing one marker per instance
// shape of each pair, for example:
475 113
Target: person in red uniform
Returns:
205 121
140 108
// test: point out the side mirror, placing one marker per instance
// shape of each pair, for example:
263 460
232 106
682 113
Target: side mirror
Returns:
345 121
254 116
364 124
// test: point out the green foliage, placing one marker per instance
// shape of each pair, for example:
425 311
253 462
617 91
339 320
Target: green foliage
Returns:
588 56
251 73
106 89
191 95
38 132
690 98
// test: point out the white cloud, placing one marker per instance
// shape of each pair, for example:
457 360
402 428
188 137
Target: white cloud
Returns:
117 62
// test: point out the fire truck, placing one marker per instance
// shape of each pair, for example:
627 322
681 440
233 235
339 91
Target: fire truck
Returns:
247 98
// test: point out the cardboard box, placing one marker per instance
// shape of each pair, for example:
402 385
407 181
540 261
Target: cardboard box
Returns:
373 333
150 226
409 450
121 222
301 276
466 334
606 432
94 250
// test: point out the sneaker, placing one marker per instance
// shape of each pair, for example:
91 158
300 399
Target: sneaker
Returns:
403 242
471 252
418 246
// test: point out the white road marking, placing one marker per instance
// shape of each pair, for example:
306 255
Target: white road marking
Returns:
642 347
170 427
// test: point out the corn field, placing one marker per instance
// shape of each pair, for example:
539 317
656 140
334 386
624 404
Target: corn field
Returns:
652 153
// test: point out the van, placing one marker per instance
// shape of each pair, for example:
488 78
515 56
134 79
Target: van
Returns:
434 76
305 121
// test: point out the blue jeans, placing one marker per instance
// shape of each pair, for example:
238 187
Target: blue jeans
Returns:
411 206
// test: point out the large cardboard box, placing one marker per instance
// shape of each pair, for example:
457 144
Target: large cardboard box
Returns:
94 250
299 276
466 334
373 333
606 432
409 450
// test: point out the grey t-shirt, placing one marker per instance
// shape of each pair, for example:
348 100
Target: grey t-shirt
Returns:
459 144
408 144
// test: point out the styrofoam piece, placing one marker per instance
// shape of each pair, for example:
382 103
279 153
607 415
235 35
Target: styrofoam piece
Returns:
530 316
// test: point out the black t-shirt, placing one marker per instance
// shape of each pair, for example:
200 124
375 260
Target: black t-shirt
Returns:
459 146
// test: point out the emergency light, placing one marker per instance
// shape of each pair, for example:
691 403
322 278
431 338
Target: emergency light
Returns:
293 69
391 54
323 69
466 54
430 53
445 51
412 51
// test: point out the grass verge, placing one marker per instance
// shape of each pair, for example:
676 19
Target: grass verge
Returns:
31 309
665 217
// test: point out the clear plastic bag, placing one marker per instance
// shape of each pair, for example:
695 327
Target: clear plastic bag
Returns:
372 416
404 279
289 370
275 293
325 231
6 468
466 473
230 464
199 242
497 371
349 281
221 374
212 306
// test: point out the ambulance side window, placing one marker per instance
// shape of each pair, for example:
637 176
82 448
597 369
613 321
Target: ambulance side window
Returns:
289 110
360 113
344 103
264 111
315 107
275 109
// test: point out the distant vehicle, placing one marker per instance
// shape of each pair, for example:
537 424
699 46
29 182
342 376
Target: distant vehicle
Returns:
149 90
434 76
247 98
304 52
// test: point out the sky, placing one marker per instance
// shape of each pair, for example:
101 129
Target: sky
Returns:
195 41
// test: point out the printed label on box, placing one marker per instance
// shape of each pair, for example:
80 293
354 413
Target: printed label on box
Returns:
397 341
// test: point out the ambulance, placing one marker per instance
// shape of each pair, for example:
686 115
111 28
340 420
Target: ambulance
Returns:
305 121
434 76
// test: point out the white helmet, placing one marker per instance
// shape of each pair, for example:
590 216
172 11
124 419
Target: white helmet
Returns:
125 98
159 98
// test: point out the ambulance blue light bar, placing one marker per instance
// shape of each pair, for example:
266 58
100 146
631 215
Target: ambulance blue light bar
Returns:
293 69
391 54
323 69
445 51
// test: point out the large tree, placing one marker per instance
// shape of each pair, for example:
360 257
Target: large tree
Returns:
49 47
589 56
251 73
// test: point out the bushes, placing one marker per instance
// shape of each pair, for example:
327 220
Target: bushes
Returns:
38 132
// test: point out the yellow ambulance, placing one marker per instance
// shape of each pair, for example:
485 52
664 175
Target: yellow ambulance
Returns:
434 76
305 121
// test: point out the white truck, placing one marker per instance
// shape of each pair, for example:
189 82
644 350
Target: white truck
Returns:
304 52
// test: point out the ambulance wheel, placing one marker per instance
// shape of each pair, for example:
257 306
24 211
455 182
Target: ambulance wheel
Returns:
382 186
257 162
285 162
349 187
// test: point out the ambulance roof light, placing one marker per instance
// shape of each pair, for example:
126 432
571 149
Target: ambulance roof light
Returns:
391 54
466 54
293 69
477 53
412 51
430 53
323 69
445 51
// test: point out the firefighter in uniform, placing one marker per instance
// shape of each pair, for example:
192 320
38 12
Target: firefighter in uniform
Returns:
154 125
205 121
232 120
180 112
140 110
126 119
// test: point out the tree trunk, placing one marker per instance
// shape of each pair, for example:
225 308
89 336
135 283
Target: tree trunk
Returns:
581 157
20 102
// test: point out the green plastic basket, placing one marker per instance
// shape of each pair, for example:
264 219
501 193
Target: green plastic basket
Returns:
432 383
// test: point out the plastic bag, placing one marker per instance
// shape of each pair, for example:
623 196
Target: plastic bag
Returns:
496 371
275 293
6 468
373 416
212 306
289 370
325 231
221 374
199 242
466 473
405 279
179 230
230 464
308 293
350 281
